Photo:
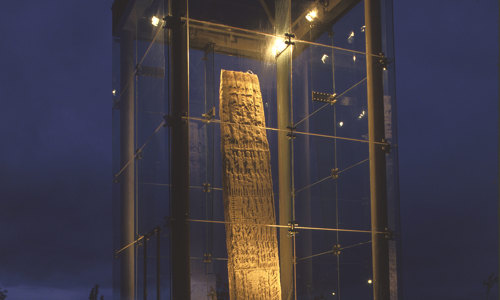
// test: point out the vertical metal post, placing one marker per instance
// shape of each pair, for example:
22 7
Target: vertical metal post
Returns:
145 269
378 189
127 288
283 69
209 152
180 152
305 206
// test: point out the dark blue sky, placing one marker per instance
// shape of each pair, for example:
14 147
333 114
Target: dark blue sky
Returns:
447 54
55 159
55 122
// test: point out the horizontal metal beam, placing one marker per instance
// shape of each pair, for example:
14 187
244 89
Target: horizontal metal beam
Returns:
230 40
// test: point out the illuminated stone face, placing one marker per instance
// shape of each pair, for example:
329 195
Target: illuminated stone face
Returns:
253 263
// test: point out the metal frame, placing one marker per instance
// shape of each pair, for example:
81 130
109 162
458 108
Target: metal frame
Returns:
126 180
239 42
376 133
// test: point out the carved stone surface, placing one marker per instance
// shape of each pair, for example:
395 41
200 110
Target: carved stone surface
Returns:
253 262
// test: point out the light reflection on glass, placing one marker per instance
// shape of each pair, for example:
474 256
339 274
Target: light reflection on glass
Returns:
362 114
350 38
324 58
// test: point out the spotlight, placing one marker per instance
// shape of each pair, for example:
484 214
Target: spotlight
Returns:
324 58
313 14
370 281
278 47
354 58
113 92
341 124
155 21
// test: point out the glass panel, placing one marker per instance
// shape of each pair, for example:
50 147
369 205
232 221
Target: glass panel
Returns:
150 159
206 185
330 92
205 70
151 105
330 269
116 160
208 262
235 13
349 30
318 21
329 144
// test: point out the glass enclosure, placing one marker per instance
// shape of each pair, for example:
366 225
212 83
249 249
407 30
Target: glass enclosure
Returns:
170 197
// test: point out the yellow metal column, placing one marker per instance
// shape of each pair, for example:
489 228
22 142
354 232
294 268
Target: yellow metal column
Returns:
283 84
378 181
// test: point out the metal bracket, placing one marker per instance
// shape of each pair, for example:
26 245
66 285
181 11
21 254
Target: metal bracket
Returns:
209 116
334 173
386 147
292 228
336 250
171 121
291 135
289 37
207 188
171 21
288 42
383 61
388 234
324 97
138 154
207 258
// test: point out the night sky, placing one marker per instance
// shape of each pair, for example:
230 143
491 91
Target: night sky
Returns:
55 158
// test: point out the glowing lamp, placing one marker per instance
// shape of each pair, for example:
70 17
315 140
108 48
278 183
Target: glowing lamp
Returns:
278 46
313 14
155 21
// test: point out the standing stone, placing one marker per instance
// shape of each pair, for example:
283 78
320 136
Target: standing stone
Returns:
253 263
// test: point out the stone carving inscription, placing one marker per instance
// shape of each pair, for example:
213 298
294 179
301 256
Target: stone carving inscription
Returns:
253 263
